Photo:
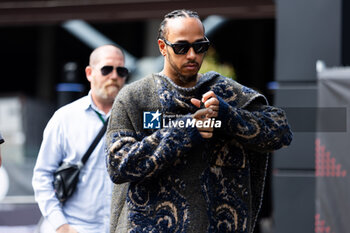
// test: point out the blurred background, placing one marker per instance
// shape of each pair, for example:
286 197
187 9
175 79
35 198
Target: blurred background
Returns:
272 46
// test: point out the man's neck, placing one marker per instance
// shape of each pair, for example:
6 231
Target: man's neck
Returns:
182 81
103 106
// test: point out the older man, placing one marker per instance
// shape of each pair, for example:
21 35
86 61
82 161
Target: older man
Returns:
67 136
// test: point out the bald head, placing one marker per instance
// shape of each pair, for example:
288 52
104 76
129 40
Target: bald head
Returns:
105 85
99 52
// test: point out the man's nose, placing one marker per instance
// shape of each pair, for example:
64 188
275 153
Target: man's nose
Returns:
114 74
190 53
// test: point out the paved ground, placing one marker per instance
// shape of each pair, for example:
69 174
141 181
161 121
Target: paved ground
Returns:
17 229
19 218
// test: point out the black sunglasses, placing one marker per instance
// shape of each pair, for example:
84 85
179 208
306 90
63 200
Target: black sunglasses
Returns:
121 71
183 47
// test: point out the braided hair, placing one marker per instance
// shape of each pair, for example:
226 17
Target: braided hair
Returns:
172 15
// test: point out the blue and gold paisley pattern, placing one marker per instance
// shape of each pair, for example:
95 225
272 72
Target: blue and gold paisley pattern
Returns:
159 196
226 196
157 208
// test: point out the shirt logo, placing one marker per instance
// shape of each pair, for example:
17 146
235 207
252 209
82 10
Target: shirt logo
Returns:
151 120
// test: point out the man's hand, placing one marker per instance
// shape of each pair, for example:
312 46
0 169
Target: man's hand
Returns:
65 228
210 110
209 100
203 115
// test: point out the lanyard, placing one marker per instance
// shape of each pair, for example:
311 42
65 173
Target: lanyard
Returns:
100 116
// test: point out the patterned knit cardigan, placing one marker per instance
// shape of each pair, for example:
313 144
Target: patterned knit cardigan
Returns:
173 180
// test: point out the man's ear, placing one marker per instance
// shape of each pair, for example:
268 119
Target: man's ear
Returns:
161 46
88 73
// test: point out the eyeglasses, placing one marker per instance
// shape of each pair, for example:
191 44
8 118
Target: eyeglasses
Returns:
121 71
183 47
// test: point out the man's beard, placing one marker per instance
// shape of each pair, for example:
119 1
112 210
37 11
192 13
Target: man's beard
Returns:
107 93
183 78
186 79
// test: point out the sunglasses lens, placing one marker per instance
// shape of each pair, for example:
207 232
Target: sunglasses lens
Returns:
201 47
106 70
122 71
181 48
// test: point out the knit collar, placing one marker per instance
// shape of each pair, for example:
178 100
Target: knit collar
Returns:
206 77
177 99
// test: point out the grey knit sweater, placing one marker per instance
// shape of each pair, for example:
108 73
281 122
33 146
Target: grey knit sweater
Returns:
173 180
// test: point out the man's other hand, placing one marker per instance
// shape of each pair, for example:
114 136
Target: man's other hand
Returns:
66 228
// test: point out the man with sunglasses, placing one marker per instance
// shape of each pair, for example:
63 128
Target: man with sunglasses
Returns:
188 151
67 137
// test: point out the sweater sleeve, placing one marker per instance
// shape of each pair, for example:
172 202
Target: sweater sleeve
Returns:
258 127
132 156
